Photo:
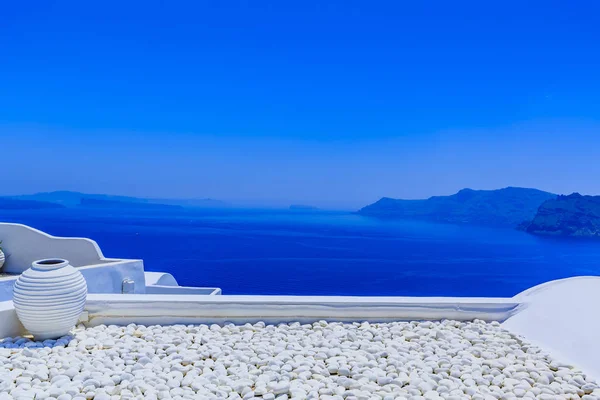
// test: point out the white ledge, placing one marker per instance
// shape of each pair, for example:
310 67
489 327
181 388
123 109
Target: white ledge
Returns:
188 309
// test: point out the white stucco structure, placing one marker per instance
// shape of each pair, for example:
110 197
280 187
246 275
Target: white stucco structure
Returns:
24 245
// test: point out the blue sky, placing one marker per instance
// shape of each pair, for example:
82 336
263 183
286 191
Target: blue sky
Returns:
331 103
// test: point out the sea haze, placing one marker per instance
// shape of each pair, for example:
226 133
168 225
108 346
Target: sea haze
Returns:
322 253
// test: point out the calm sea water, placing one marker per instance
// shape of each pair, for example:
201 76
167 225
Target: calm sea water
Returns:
323 253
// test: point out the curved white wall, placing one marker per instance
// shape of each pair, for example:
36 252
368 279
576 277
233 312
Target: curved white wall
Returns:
563 317
24 245
160 278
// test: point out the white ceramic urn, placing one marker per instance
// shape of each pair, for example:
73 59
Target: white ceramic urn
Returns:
49 298
2 259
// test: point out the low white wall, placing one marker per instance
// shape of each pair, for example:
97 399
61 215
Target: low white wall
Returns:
100 278
174 309
123 309
24 245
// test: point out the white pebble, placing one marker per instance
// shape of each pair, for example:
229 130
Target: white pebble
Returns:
399 360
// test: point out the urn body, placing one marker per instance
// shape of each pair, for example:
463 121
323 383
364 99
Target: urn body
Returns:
49 297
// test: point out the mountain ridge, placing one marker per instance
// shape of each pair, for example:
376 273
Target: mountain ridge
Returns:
116 204
73 199
506 207
17 204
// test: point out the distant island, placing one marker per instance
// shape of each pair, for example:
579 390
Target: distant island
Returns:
302 207
98 203
15 204
573 215
506 207
531 210
74 199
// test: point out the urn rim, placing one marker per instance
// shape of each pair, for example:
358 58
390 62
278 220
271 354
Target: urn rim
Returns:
49 264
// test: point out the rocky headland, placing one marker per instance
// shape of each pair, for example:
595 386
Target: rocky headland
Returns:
573 215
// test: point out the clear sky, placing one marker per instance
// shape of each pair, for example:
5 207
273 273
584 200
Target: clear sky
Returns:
331 103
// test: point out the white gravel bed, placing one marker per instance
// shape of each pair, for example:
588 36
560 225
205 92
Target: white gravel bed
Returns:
402 360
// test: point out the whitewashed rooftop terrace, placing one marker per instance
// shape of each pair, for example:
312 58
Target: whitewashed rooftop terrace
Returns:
551 330
534 345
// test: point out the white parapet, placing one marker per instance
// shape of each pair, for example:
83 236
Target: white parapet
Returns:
189 309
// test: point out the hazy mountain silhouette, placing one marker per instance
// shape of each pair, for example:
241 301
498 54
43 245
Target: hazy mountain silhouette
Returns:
15 204
101 203
502 207
74 199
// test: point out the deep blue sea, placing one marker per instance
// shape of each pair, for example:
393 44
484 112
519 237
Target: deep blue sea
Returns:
322 253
